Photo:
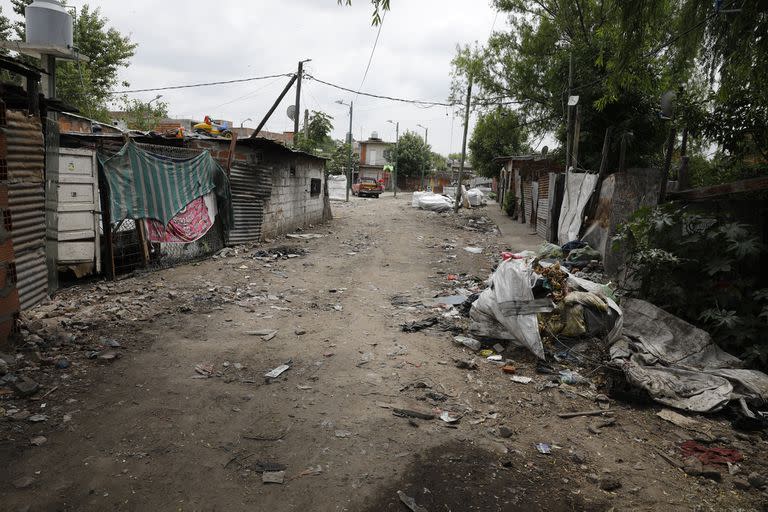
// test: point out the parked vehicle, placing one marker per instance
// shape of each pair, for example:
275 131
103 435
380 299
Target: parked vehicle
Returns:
367 187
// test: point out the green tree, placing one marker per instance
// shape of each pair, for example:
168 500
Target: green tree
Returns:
497 133
379 7
411 153
141 115
337 164
437 162
318 139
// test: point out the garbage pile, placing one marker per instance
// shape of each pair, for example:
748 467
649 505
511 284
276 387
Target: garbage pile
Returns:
471 198
537 301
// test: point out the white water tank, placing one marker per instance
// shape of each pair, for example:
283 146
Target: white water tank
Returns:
48 23
374 135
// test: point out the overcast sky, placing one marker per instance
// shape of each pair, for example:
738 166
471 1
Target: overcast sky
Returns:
200 41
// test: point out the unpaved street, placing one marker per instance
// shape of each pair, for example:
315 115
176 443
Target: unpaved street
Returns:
148 431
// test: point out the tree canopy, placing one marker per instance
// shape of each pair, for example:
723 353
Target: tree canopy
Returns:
318 139
625 56
497 132
141 115
412 155
87 86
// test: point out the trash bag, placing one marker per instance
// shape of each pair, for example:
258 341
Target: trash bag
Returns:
584 254
547 251
511 282
416 197
435 203
573 244
475 197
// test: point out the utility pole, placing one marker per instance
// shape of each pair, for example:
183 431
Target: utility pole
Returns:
349 151
306 123
397 151
568 121
273 107
426 144
299 75
463 147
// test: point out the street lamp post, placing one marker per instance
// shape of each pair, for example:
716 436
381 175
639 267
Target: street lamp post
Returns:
244 120
349 151
397 151
426 135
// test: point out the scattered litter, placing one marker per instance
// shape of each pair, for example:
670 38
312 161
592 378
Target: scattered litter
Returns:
264 334
498 348
37 418
474 250
410 502
275 373
450 300
595 427
273 477
466 364
303 236
419 325
520 379
566 415
544 448
38 441
408 413
343 433
495 358
508 369
710 455
448 418
468 342
204 369
678 419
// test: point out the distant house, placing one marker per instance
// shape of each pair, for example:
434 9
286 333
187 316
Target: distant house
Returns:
373 159
285 138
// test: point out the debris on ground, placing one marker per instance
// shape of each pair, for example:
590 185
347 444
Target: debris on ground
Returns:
276 372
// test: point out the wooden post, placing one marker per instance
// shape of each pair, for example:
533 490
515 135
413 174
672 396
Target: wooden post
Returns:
463 146
231 155
576 134
594 200
106 223
683 180
667 165
142 236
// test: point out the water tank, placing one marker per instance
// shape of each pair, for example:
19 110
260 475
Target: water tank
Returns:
374 135
48 23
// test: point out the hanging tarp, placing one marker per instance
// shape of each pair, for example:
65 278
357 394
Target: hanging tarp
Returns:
144 185
578 189
189 225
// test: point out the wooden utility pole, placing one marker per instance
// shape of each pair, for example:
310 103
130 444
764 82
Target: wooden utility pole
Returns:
274 106
463 146
667 165
683 180
568 119
576 135
299 73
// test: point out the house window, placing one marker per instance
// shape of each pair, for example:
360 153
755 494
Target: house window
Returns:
372 157
314 187
293 169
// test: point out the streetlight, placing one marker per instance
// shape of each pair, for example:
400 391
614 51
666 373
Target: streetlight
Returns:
154 99
426 134
244 120
397 151
349 152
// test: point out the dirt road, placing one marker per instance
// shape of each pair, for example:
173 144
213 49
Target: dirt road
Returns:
149 432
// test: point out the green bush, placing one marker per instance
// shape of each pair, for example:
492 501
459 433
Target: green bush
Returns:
702 268
509 205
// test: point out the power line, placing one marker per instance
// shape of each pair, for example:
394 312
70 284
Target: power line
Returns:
380 96
205 84
373 50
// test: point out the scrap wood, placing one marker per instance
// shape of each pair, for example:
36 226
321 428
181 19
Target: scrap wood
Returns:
410 502
669 459
407 413
566 415
54 388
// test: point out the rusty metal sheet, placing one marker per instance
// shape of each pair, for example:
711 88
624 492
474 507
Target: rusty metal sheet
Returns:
250 185
23 151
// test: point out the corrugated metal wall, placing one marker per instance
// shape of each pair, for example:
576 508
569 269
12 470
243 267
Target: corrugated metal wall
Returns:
25 163
250 184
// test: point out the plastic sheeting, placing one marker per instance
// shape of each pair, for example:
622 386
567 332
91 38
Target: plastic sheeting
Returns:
511 282
578 189
435 203
475 197
678 364
416 197
337 187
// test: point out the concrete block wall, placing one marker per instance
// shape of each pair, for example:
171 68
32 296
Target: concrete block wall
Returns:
291 205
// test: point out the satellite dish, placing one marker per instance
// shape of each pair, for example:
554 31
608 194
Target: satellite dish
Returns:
667 105
291 112
545 150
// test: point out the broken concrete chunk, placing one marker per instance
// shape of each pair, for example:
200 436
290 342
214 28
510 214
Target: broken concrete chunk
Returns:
273 477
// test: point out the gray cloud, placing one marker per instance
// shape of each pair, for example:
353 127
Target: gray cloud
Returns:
200 41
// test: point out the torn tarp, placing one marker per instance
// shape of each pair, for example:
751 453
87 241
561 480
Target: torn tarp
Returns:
578 189
678 364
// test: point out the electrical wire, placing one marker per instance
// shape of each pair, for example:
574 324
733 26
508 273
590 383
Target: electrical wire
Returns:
373 50
205 84
379 96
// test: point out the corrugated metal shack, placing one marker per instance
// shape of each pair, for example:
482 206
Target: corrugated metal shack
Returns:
535 182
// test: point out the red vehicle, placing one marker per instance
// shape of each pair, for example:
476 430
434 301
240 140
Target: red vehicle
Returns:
367 187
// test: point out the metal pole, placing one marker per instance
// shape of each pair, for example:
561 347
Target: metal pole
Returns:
397 152
274 106
349 152
463 147
298 101
568 121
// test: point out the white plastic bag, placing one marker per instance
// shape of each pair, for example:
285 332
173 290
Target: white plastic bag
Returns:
435 203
